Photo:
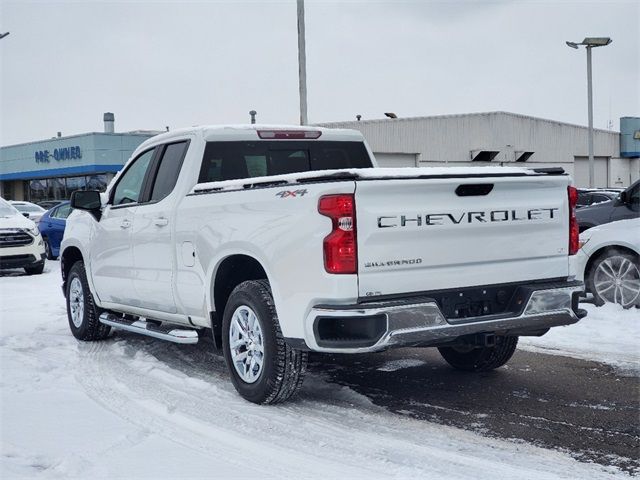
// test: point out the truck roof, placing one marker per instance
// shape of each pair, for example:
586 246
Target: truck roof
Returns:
250 132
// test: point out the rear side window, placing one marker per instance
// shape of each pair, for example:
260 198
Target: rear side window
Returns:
599 198
234 160
584 198
170 165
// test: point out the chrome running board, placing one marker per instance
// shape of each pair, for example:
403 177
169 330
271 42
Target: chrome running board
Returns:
168 333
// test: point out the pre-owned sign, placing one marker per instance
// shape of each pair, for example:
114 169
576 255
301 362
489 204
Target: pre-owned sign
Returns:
63 153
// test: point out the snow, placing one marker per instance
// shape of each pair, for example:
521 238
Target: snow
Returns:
134 407
364 173
608 334
394 365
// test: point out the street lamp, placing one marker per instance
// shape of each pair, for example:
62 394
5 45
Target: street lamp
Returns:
302 63
589 43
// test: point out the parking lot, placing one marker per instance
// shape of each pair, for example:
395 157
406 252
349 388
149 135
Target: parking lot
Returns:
400 412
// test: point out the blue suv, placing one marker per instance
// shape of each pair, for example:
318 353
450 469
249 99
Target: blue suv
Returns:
51 226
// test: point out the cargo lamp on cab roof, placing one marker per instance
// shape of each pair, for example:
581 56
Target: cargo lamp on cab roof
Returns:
289 134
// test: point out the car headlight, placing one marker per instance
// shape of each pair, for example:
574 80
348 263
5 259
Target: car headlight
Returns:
34 231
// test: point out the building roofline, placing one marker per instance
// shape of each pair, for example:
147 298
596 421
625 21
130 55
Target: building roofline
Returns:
458 115
129 134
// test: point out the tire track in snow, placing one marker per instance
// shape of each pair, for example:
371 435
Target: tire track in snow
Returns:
183 394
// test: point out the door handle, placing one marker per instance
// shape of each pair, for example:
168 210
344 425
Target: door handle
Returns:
125 224
161 221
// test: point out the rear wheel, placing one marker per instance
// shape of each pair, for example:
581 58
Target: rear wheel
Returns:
480 359
615 278
81 309
263 368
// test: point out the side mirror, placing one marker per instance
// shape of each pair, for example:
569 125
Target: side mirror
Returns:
86 200
623 197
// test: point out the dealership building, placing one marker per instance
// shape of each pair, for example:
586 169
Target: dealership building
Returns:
51 169
502 138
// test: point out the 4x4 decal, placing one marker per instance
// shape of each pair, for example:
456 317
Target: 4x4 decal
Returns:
291 193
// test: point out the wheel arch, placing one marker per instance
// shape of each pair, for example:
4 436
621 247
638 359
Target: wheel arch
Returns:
68 257
231 271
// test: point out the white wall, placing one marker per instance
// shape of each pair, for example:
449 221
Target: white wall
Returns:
634 168
619 172
601 171
393 160
447 140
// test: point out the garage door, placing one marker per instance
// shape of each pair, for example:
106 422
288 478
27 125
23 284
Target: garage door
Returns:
393 160
581 171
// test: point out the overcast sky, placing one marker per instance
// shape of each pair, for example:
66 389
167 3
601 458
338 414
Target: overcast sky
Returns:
209 62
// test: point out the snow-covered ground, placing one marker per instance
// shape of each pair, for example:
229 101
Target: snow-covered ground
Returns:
132 407
609 334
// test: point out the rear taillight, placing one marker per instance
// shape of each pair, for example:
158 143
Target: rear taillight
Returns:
340 247
574 231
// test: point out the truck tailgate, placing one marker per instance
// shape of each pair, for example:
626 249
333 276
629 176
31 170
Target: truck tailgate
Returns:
417 235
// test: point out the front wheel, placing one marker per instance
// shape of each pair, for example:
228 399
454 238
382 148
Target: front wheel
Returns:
47 250
480 359
615 278
81 309
263 368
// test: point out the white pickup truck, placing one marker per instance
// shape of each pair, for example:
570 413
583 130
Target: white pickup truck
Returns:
285 240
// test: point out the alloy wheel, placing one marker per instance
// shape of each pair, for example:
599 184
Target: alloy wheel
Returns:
617 280
76 302
246 344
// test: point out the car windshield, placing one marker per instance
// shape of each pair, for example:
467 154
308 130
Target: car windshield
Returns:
25 207
6 209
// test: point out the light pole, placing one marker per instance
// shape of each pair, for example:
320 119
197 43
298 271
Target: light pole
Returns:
589 43
302 64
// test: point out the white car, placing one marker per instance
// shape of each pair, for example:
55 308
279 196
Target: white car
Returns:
608 261
33 211
21 244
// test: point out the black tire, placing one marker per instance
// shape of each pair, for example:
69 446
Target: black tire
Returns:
89 327
481 359
47 249
599 300
35 269
283 367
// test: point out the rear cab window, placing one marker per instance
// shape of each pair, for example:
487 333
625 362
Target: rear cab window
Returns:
249 159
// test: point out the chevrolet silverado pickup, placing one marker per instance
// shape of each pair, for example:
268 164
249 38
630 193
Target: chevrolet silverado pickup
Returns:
285 240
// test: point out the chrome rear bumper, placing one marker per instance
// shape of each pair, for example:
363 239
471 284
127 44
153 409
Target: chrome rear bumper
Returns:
420 322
